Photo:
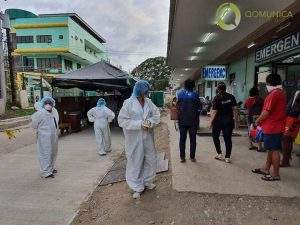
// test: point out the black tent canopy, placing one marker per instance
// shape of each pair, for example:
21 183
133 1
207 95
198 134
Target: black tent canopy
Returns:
99 76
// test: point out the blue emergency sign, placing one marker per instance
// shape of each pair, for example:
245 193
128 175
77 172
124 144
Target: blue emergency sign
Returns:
214 73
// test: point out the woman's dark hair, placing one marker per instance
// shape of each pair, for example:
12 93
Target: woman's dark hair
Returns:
253 92
274 79
221 87
189 84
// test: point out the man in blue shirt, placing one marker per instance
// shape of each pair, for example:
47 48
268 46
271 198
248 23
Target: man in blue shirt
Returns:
189 108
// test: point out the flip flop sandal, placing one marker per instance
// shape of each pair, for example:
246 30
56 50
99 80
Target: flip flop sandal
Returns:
253 148
259 171
270 178
261 150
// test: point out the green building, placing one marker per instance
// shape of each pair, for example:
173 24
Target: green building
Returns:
47 45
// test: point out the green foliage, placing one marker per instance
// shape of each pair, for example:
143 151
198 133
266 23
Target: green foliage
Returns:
156 71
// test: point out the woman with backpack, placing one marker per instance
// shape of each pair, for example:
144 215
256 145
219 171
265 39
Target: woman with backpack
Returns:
254 105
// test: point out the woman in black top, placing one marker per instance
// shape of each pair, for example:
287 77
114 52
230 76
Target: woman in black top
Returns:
222 119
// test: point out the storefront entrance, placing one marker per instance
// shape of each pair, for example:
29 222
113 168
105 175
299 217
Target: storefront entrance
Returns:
288 69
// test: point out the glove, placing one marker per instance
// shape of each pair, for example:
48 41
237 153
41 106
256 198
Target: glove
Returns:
146 124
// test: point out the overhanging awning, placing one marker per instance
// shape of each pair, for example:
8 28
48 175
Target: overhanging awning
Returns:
196 40
99 76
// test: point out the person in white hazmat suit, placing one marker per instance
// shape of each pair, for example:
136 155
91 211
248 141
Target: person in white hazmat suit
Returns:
101 116
137 117
45 122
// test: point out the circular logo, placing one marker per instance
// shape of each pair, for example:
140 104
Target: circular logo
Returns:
228 16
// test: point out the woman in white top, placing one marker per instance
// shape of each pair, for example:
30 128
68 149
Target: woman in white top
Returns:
101 116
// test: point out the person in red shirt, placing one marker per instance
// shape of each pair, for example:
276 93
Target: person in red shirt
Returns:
254 105
272 120
292 126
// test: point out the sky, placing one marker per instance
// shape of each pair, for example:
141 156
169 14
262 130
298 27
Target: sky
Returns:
134 29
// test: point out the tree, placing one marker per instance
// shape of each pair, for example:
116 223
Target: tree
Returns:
156 71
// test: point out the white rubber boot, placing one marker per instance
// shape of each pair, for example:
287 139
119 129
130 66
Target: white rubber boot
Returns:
136 195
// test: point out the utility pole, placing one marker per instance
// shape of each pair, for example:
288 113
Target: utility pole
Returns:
11 66
2 74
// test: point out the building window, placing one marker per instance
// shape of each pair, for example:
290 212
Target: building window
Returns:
47 63
28 63
78 66
68 64
44 38
24 39
209 84
61 36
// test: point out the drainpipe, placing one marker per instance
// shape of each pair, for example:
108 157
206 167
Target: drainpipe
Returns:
41 85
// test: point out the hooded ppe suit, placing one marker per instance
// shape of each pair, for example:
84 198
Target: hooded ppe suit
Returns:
139 142
46 125
101 116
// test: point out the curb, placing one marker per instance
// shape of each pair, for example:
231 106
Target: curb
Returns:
14 122
89 195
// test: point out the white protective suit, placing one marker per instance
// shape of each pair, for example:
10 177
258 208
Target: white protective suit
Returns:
139 143
101 117
46 126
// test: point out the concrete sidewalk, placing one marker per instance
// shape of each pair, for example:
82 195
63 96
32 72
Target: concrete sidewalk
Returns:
25 136
208 175
26 199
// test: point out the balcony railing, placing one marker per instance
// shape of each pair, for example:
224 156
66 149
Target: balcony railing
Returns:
39 70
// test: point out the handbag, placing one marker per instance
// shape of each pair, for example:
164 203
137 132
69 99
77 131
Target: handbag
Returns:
256 133
292 126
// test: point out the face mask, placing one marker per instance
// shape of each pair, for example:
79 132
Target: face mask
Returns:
145 95
271 88
48 107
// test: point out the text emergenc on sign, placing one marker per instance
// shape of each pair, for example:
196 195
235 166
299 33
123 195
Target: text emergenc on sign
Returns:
214 73
282 45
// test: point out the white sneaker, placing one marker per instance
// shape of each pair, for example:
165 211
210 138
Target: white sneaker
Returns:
219 157
136 195
227 160
151 186
102 153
